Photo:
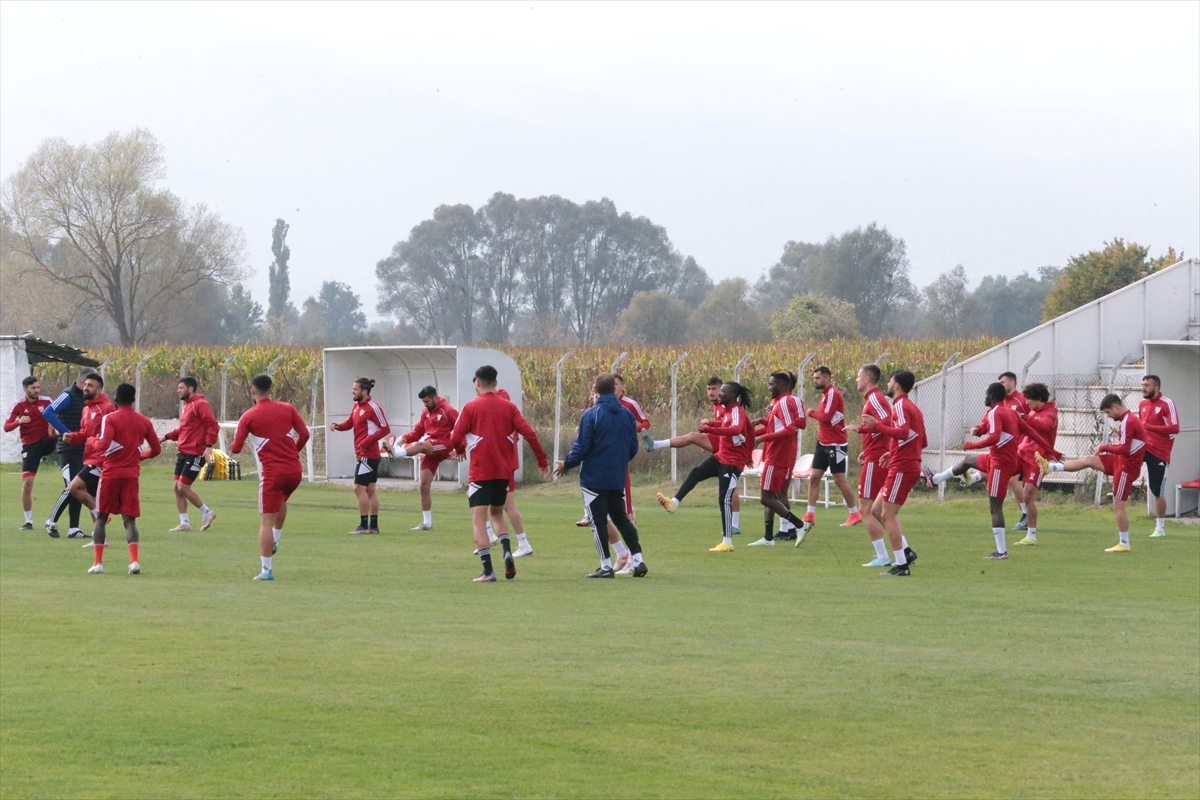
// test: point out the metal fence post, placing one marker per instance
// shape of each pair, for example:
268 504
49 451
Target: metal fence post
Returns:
942 459
675 414
616 363
558 405
184 366
103 366
1112 384
271 366
737 368
882 356
800 394
1028 364
137 404
312 413
225 386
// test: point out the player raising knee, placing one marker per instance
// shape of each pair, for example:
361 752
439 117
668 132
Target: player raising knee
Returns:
430 438
778 431
873 470
197 433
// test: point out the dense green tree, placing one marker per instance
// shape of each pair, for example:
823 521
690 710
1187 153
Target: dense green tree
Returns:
281 314
950 304
1006 306
810 316
654 318
1092 275
727 315
241 317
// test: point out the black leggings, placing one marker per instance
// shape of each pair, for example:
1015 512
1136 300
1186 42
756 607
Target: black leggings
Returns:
727 477
72 462
606 503
708 468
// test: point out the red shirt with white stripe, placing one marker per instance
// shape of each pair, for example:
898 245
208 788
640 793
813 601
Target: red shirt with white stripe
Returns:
830 415
37 428
639 417
437 424
370 425
276 432
1161 422
198 427
121 435
736 432
785 416
906 434
94 412
1002 429
1044 421
875 444
1131 442
483 431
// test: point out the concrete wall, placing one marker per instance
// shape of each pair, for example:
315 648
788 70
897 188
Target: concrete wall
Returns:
1178 365
14 368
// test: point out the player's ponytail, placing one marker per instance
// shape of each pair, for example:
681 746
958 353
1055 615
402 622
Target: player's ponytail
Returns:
366 384
744 398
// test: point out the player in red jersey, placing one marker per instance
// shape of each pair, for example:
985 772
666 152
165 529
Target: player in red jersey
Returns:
1001 430
1161 421
483 431
36 441
872 472
197 433
778 431
1042 418
515 520
1123 461
278 434
905 430
832 442
430 438
84 485
642 423
735 432
122 434
1016 402
370 426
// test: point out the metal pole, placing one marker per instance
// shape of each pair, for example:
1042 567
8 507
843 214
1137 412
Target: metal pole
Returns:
674 413
183 368
103 366
1112 384
137 384
558 404
942 459
312 408
882 356
271 366
800 380
737 369
620 358
1028 364
225 385
313 425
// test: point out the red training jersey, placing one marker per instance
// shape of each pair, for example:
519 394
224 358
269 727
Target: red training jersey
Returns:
94 412
437 424
370 425
785 416
484 429
830 415
1002 438
639 417
906 433
875 444
514 437
276 432
736 436
1131 442
37 428
121 435
1044 422
198 427
1161 422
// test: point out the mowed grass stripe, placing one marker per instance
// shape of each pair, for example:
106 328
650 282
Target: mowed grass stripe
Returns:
373 666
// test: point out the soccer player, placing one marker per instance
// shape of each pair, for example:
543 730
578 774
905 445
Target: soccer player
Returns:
85 484
606 443
1042 418
36 441
63 414
778 433
1002 430
643 424
510 500
905 430
1161 421
1123 461
830 456
431 438
278 435
875 446
735 443
483 429
195 437
370 425
1015 401
121 436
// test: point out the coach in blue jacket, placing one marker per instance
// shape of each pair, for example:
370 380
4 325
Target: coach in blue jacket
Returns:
606 442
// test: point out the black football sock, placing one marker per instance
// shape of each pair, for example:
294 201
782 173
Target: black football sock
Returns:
792 518
505 543
485 555
362 521
770 531
374 522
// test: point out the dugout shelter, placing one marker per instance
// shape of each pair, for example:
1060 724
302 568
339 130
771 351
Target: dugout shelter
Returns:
20 357
399 373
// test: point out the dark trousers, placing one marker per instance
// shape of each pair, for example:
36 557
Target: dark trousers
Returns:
728 479
706 469
610 503
72 463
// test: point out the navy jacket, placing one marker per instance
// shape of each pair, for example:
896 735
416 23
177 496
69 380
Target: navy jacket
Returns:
607 442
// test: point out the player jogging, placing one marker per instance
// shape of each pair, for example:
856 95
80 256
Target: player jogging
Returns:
431 439
905 430
873 469
1161 421
121 436
1043 419
370 425
1015 401
36 441
278 435
195 437
483 431
1123 461
778 431
606 443
832 442
63 414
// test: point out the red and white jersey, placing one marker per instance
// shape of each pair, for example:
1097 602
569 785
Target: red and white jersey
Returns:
875 444
37 428
735 432
1017 403
276 432
484 429
121 435
198 427
437 424
785 416
639 416
718 414
1161 421
906 432
1044 422
830 415
94 412
1131 439
1002 431
369 424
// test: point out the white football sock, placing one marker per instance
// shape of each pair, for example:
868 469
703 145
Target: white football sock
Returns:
635 559
1032 533
1056 467
900 558
95 514
812 509
662 444
785 526
675 501
974 476
999 534
1124 538
606 563
1022 505
488 525
522 540
880 549
1160 523
737 519
427 517
29 516
204 509
183 519
266 563
727 538
852 510
942 476
620 548
904 542
276 533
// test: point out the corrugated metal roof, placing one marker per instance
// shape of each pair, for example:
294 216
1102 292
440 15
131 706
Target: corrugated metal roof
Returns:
39 351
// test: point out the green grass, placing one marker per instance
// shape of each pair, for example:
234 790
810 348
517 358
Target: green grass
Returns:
373 666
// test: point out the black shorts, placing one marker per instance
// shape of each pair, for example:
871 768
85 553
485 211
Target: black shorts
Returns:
830 458
90 475
1156 468
32 454
188 468
487 493
366 471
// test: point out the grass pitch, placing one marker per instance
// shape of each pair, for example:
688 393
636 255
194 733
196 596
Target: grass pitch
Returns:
373 667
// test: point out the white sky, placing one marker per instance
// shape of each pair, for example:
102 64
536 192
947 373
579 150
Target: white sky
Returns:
1001 136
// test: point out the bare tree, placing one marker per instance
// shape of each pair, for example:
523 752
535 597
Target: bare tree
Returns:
92 218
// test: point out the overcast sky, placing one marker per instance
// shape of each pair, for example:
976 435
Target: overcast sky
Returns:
1001 136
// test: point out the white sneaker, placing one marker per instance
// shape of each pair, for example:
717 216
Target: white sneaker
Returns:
424 527
208 520
135 568
619 563
523 550
183 526
627 569
96 569
493 539
763 542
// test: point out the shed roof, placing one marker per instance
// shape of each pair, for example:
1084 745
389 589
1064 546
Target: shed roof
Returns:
39 351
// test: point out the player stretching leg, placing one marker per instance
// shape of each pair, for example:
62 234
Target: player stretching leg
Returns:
485 429
778 431
63 414
830 456
1123 461
875 446
1043 418
195 437
278 434
86 482
735 432
36 442
121 436
1161 421
905 430
431 439
370 425
1015 401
